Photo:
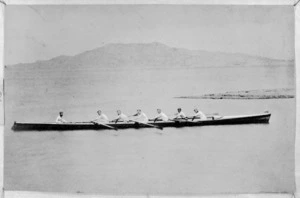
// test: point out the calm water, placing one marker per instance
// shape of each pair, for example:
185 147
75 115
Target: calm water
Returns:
210 159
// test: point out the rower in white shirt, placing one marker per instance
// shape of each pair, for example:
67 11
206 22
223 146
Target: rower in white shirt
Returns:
179 114
199 115
60 119
102 118
140 116
160 116
121 117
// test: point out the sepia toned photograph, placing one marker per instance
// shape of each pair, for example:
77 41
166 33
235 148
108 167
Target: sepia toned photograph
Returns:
149 99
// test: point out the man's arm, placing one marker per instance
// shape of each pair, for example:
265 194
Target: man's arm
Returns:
116 120
157 117
182 115
95 120
60 120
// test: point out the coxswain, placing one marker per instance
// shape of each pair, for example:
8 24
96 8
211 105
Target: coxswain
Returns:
160 116
102 118
60 119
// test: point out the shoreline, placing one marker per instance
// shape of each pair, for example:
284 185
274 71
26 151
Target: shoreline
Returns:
284 93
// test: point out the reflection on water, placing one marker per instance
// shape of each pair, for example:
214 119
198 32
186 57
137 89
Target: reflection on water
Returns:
210 159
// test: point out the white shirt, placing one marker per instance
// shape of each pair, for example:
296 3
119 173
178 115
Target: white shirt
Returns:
102 118
180 115
141 118
122 117
60 120
162 116
201 115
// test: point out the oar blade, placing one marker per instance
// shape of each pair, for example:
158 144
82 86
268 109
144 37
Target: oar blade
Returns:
107 126
154 126
159 127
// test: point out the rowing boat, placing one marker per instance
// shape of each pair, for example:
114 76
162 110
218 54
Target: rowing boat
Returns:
215 120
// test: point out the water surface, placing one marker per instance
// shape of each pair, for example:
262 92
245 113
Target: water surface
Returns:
209 159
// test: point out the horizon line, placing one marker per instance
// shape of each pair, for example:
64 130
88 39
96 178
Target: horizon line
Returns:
146 43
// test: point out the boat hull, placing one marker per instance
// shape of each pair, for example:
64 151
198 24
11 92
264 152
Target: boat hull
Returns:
226 120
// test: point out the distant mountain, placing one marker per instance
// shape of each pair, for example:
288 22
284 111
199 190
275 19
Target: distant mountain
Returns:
151 55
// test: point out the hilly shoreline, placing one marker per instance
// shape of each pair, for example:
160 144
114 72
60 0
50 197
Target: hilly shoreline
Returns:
156 55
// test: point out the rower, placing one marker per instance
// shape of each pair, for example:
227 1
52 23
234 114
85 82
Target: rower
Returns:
179 114
199 115
60 119
102 118
121 117
140 116
160 116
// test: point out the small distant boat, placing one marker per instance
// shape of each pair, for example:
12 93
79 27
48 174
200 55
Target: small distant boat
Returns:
215 120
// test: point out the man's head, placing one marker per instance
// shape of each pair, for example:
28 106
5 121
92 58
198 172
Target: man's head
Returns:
119 112
61 114
179 110
158 110
139 111
99 112
196 110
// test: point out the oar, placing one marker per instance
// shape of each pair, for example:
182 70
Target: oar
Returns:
97 123
158 127
186 120
193 118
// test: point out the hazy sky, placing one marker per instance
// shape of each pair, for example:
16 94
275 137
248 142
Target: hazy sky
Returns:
43 32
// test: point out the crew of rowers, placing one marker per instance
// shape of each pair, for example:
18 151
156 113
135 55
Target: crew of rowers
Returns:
140 117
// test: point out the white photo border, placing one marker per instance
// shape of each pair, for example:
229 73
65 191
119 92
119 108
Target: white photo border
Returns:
294 3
